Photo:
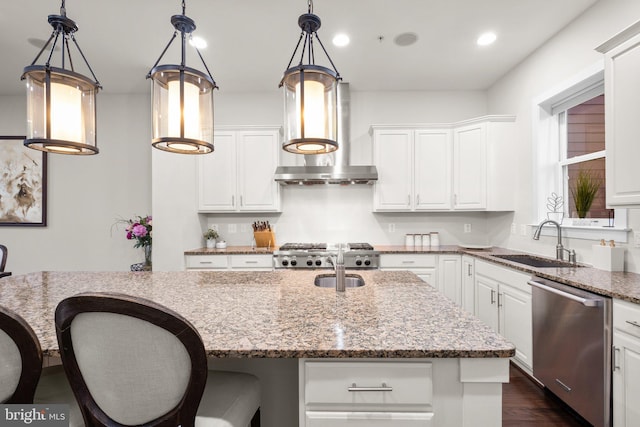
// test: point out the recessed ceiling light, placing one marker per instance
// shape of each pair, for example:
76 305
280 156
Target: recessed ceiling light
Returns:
486 39
198 42
405 39
341 40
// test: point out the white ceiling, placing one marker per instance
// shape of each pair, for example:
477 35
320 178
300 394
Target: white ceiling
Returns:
251 41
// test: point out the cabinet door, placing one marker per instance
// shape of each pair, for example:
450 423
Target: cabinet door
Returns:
515 321
468 286
217 175
429 275
622 89
469 167
449 279
257 161
487 301
626 387
432 166
392 151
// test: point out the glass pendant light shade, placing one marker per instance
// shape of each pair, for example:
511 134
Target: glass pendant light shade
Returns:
182 99
61 103
310 94
182 110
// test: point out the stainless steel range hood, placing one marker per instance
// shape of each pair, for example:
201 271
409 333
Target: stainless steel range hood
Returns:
333 168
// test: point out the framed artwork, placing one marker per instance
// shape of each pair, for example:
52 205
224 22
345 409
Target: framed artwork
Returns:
23 184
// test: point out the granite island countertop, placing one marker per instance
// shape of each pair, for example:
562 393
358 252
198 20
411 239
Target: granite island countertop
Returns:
279 314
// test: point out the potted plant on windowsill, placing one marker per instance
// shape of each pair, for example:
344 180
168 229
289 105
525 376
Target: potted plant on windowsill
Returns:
584 191
210 237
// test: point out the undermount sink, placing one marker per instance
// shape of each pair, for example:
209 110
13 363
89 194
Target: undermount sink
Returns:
534 261
329 281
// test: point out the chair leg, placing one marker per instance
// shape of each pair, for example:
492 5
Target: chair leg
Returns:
255 421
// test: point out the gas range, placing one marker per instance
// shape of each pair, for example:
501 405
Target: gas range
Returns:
315 255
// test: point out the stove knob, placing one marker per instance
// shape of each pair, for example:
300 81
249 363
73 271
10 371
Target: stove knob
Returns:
318 262
358 261
294 262
367 261
285 262
309 262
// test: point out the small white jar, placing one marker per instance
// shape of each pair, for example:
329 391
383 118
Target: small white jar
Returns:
417 241
435 240
426 241
409 241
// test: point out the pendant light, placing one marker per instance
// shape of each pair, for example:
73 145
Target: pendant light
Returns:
182 99
61 103
310 95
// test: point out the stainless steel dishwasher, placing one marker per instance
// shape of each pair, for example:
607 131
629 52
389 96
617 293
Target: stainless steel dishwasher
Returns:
572 347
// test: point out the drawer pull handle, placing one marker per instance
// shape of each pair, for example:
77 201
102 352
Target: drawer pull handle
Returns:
408 262
633 323
251 262
206 262
384 387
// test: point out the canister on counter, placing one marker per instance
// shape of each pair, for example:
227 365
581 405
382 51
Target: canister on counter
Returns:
435 240
426 241
417 241
409 240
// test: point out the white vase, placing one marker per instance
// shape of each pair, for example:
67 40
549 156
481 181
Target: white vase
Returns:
211 243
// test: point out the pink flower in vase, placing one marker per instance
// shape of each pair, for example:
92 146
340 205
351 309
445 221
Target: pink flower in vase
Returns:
139 230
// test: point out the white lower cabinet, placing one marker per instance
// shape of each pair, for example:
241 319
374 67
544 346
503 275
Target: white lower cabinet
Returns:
503 301
626 364
425 266
449 278
365 393
468 283
262 262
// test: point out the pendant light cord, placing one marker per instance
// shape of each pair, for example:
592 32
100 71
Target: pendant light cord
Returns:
63 9
184 7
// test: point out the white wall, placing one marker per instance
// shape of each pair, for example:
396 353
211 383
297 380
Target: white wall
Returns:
310 213
567 54
87 193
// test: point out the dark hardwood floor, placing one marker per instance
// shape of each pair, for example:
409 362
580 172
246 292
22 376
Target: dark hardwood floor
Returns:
524 403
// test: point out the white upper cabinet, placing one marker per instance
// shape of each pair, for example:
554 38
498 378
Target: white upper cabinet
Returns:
461 166
622 127
470 167
238 175
393 150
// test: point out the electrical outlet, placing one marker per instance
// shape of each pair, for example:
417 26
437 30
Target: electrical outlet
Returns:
636 236
232 228
467 228
392 228
514 228
523 229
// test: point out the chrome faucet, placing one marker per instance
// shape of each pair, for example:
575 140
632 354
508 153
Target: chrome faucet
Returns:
338 266
560 250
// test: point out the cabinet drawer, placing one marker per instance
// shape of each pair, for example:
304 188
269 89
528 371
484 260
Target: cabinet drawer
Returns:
626 317
207 261
368 419
407 261
251 261
400 386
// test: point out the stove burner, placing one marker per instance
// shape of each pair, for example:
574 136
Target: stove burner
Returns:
303 246
360 246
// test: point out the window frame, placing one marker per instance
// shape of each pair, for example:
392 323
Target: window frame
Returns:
547 154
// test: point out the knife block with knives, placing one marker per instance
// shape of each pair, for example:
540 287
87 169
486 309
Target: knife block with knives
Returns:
263 234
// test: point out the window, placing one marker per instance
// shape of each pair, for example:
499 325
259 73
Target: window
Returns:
582 154
569 142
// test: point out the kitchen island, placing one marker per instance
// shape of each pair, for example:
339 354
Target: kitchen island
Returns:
272 323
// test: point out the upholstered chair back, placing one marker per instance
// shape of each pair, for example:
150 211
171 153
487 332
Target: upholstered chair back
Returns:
130 361
20 359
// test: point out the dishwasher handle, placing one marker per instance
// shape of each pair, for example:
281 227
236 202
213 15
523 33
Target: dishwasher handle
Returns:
587 302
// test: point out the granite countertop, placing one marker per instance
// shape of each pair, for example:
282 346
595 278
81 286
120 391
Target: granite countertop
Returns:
279 314
622 285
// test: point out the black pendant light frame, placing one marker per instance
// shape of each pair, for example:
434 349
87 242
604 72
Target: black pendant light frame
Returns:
64 29
185 26
309 23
